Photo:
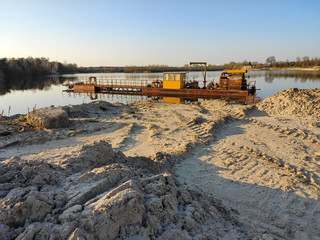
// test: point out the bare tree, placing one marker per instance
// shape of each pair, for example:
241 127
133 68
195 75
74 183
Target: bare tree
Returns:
271 61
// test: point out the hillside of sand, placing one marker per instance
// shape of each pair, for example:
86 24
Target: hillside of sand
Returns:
208 170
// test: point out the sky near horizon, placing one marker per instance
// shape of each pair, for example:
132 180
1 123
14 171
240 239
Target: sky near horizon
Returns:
168 32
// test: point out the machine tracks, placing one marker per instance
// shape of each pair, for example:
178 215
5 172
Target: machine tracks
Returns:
274 184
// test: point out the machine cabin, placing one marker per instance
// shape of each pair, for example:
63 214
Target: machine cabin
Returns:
174 80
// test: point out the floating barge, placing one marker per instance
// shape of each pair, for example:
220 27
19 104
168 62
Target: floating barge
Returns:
232 85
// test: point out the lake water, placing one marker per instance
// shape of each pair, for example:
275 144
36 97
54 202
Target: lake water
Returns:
21 96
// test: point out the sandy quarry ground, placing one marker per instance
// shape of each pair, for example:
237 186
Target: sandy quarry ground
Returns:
259 165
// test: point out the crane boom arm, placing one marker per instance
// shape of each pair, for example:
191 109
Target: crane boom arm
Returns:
200 63
204 71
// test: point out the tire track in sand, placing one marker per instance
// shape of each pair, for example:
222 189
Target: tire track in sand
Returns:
270 184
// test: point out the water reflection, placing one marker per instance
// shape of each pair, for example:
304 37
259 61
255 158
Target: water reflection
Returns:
178 100
126 99
44 82
268 77
129 98
21 94
297 76
40 83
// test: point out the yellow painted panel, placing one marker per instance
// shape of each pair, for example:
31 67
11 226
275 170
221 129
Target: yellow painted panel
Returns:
172 100
237 71
173 84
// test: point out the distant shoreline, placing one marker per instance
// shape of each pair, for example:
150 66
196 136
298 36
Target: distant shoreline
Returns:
22 67
289 69
215 70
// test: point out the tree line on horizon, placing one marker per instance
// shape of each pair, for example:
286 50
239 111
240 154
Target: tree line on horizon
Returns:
305 62
20 67
270 63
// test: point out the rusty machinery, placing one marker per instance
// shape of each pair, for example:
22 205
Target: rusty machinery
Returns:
232 85
203 66
233 80
178 80
229 80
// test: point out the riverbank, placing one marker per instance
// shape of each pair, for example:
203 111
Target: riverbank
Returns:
316 68
208 170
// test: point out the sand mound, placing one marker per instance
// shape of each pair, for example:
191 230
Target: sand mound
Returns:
264 168
303 102
99 193
85 109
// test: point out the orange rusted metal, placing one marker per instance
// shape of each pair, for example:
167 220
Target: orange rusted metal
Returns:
232 85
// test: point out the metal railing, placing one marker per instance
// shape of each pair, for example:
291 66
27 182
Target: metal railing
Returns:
114 82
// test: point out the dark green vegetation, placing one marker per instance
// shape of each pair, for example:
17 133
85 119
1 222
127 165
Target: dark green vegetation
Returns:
305 62
31 73
21 67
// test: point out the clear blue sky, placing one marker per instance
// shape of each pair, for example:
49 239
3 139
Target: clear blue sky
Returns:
144 32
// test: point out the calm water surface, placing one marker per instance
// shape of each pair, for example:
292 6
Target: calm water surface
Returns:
22 95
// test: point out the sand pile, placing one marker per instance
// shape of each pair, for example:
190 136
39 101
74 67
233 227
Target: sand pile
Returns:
261 166
297 102
87 109
98 193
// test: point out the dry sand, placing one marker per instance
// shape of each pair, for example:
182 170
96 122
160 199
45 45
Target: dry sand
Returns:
208 170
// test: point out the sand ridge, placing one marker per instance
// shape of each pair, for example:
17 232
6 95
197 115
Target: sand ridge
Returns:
230 171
